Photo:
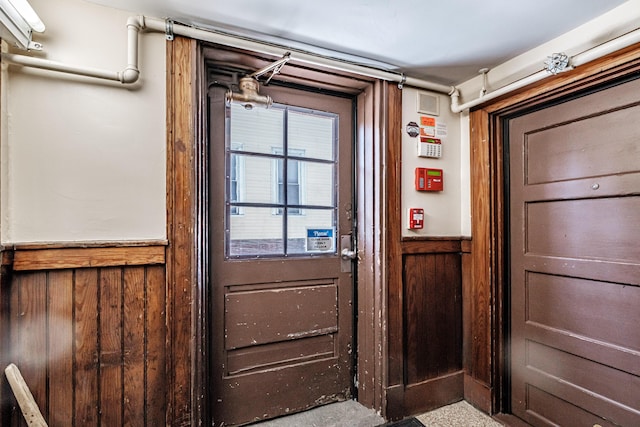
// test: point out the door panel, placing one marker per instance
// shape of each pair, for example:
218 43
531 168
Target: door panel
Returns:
280 198
575 260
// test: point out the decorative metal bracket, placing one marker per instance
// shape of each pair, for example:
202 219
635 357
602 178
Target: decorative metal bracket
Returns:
557 63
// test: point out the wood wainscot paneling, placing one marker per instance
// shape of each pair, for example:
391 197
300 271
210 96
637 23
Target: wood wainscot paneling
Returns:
87 328
6 258
431 328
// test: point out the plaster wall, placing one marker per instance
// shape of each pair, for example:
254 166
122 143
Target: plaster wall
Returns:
84 159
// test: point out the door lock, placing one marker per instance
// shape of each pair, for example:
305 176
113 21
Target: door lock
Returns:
348 254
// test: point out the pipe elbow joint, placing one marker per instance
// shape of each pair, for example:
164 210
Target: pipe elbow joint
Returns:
455 98
129 75
136 21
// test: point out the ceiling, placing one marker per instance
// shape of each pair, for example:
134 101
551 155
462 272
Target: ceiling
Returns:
444 41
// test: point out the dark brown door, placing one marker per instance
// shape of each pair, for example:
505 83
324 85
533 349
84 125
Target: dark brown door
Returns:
575 261
281 204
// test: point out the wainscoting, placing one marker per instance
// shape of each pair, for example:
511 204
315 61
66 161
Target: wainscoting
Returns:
87 328
431 327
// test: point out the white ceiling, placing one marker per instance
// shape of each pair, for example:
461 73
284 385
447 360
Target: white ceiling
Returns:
445 41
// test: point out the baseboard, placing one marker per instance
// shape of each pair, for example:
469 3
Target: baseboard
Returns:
477 394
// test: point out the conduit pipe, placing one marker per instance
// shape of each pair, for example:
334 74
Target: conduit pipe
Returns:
159 25
136 24
129 75
577 60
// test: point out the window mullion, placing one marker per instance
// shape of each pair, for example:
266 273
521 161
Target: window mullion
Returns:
285 181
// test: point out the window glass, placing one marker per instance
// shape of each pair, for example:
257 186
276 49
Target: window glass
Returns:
280 180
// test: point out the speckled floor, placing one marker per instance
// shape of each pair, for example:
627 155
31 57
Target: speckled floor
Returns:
352 414
459 414
342 414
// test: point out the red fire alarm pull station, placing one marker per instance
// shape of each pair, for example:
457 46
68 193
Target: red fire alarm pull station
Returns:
429 179
416 218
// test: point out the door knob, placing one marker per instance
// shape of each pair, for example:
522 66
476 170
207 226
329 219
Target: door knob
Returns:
348 254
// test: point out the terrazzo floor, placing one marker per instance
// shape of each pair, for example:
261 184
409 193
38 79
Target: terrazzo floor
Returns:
352 414
459 414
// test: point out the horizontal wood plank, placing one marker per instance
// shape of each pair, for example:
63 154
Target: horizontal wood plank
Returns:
431 246
73 257
433 393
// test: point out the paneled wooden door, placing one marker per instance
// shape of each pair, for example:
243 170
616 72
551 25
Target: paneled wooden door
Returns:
281 205
575 260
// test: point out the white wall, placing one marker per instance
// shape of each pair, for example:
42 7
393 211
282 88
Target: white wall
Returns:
443 210
608 26
83 159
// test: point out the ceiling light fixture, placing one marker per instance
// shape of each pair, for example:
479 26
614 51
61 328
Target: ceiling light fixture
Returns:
19 21
249 86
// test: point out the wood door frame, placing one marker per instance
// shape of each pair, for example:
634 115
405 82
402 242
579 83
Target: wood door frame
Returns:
487 367
187 231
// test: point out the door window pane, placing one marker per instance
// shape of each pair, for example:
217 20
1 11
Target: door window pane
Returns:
319 183
256 233
281 179
321 219
236 183
294 187
312 132
258 130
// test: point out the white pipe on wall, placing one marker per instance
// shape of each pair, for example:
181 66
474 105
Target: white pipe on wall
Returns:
577 60
159 25
129 75
135 24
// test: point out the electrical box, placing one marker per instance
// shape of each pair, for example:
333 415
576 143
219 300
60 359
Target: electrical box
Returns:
429 179
429 147
416 218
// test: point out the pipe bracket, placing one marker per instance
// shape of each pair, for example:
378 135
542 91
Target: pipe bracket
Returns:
403 81
169 30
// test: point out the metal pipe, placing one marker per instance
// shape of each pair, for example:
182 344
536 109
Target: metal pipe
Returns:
156 24
136 24
579 59
46 64
127 76
456 108
606 48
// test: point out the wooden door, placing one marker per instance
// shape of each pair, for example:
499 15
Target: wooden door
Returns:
575 260
281 203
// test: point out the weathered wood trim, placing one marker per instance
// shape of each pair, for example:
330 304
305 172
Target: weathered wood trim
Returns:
431 246
485 341
86 244
181 208
7 401
478 394
394 248
371 325
608 67
74 257
478 349
434 393
425 396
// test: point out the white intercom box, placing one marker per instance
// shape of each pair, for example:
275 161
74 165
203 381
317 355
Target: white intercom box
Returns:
429 147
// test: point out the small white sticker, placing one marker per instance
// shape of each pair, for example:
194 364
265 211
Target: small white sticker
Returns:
441 129
320 240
